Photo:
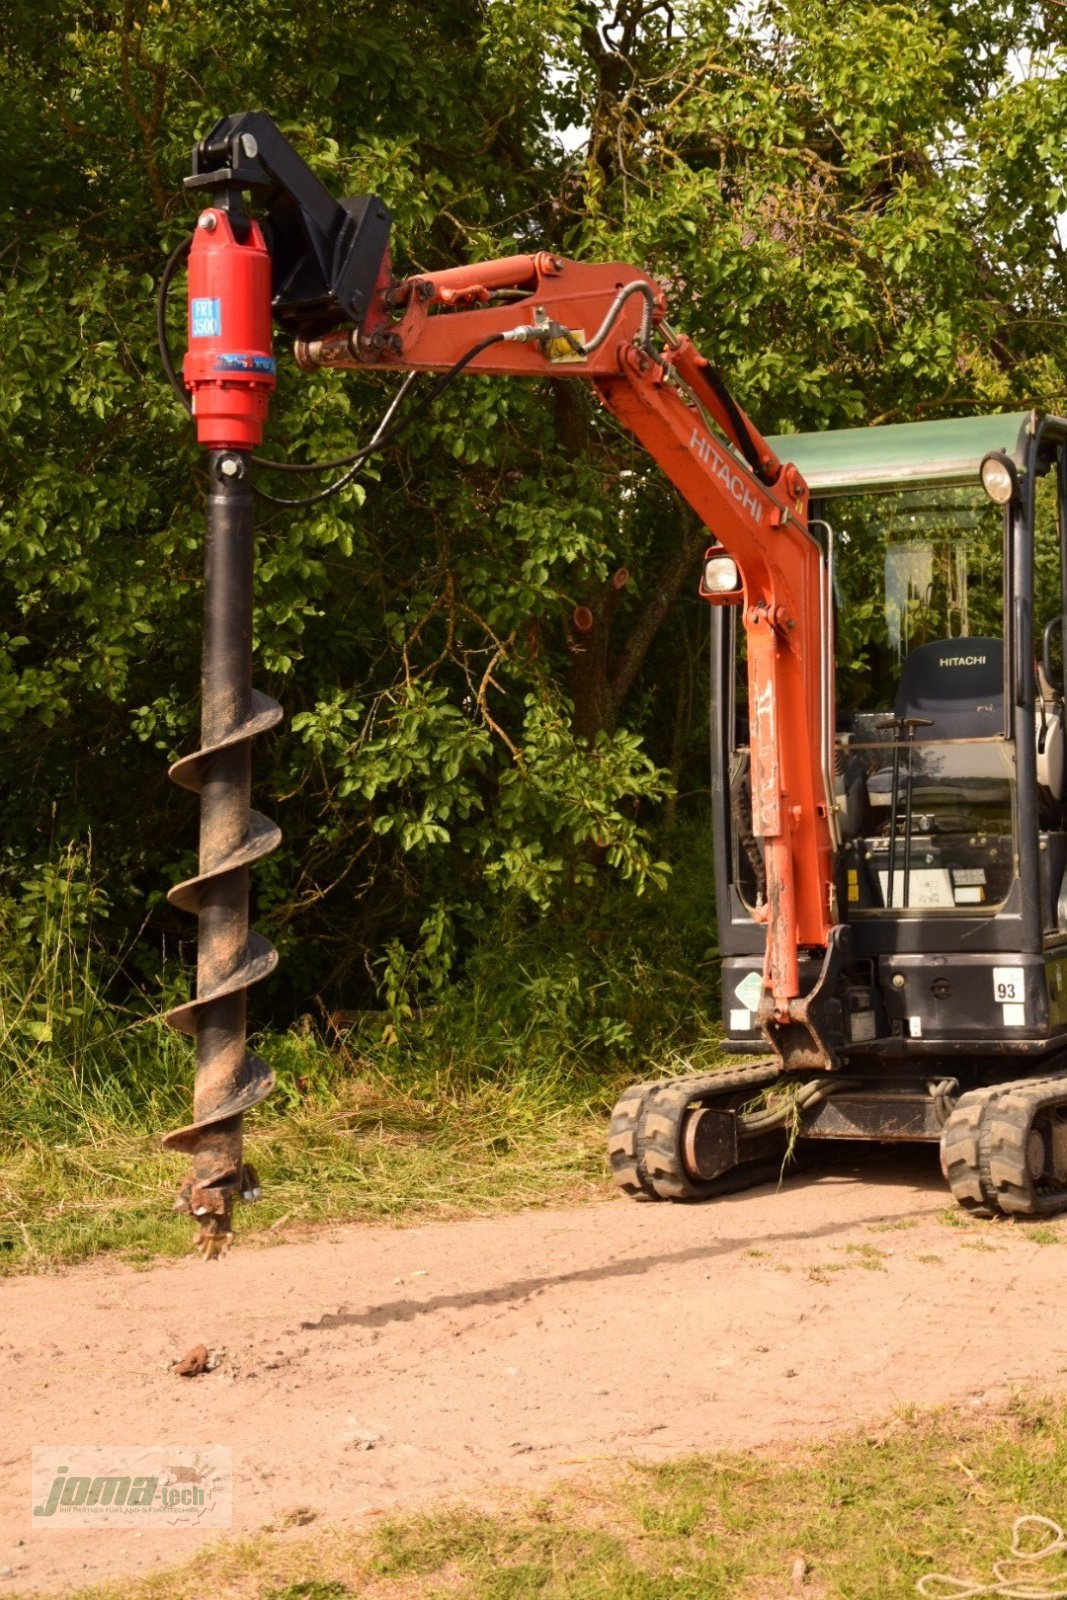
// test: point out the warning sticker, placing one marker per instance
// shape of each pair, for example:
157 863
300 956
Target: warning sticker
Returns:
750 990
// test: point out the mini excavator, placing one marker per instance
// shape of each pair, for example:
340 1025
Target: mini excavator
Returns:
889 780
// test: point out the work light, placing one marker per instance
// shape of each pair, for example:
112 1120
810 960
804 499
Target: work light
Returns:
999 477
720 575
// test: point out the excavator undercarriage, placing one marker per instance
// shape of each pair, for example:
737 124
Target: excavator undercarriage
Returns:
1003 1146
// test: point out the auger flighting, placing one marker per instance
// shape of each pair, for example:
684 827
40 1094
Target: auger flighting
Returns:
321 267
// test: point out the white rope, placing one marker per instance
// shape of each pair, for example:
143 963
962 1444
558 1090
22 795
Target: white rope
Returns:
1009 1581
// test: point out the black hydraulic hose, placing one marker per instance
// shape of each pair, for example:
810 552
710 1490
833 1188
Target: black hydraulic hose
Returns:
382 438
357 461
745 441
174 261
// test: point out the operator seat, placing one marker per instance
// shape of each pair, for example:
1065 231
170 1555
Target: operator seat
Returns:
957 687
958 684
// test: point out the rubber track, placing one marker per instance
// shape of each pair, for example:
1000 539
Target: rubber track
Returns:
1005 1168
983 1147
623 1134
644 1139
961 1150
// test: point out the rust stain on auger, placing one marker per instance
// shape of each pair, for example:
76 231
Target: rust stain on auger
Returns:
229 1080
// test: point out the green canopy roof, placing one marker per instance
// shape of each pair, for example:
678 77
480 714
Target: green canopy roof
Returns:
903 454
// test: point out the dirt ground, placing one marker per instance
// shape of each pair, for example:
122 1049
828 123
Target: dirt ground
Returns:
373 1368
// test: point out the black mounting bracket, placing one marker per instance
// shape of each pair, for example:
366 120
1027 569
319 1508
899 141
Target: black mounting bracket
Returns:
326 253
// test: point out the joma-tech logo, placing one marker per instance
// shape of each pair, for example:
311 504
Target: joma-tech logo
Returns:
108 1486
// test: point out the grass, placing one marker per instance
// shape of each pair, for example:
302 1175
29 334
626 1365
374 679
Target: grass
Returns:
863 1517
481 1095
869 1256
87 1088
356 1146
461 1097
1047 1233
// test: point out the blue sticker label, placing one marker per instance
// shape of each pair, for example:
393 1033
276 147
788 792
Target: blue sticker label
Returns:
247 363
206 319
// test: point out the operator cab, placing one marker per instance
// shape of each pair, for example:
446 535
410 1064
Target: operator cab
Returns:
948 751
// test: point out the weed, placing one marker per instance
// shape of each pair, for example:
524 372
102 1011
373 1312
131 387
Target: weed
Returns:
870 1256
953 1217
820 1273
1044 1233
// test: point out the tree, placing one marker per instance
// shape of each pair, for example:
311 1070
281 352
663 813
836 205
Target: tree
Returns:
488 646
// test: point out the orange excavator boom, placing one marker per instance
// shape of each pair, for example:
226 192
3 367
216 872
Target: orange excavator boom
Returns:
540 316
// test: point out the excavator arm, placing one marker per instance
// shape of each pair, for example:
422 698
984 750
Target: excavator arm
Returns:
319 268
540 316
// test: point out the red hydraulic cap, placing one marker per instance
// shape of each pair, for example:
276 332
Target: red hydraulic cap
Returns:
229 367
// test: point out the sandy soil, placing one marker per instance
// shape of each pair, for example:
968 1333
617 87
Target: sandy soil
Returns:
475 1356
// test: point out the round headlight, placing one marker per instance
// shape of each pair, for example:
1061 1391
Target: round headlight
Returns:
720 575
999 477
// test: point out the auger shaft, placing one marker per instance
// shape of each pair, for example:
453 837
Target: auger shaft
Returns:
226 687
229 1081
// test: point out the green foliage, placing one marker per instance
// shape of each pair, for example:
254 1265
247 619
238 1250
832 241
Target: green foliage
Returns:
611 987
852 208
74 1050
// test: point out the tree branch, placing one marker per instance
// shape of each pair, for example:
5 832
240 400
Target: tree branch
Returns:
677 570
